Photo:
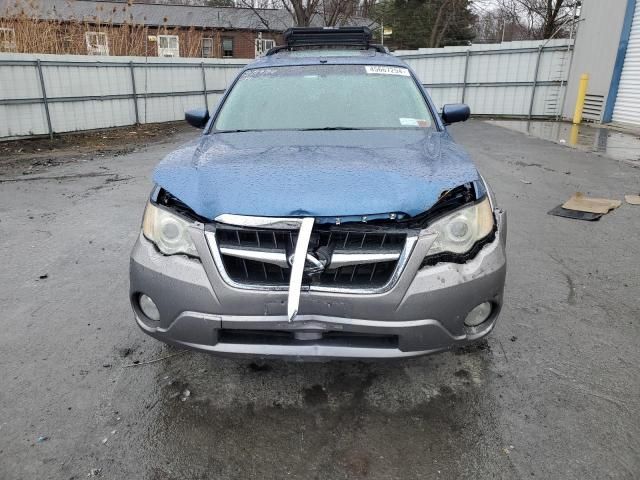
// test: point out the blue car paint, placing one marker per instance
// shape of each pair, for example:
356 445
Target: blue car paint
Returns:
315 173
326 174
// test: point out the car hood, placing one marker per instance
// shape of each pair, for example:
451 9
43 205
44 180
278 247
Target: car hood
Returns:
315 173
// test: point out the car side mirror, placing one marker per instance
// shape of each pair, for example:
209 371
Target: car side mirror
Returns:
455 112
197 117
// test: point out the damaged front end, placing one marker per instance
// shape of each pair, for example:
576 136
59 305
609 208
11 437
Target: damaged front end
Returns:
379 286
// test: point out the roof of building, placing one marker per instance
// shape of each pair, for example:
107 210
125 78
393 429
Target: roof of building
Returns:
120 12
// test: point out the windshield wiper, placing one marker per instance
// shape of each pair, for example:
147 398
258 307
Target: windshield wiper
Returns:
280 130
327 128
236 131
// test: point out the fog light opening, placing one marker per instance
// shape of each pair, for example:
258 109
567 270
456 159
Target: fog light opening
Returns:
149 307
478 315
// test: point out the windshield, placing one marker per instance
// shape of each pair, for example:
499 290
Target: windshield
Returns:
317 97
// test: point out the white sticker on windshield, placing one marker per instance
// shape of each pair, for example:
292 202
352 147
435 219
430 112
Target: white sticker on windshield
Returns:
409 122
413 122
386 70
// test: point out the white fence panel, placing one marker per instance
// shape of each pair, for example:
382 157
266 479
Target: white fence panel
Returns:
20 81
86 92
444 95
22 120
91 114
166 109
78 80
496 79
159 79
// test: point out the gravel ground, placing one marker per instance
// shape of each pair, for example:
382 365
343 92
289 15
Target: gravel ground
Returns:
554 393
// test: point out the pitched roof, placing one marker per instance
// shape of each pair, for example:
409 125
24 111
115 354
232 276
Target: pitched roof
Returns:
119 12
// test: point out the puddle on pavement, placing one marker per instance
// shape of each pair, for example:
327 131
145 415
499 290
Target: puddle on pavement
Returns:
611 143
338 419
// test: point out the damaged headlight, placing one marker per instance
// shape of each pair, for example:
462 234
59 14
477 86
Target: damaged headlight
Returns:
168 231
459 231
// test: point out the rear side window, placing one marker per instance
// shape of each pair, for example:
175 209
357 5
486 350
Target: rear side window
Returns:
324 97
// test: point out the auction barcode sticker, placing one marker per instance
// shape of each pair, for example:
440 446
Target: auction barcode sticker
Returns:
386 70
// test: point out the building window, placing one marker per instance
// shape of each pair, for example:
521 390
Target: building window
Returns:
7 40
263 45
168 46
227 47
97 43
207 47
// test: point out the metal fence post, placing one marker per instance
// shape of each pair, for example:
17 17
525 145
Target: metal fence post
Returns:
466 70
204 86
44 98
135 93
535 82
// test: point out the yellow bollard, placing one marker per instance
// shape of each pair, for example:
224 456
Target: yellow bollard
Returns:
573 135
582 93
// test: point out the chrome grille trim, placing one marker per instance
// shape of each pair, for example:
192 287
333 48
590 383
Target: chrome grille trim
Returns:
338 259
279 257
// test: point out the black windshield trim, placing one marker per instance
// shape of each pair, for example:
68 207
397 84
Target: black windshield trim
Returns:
435 116
329 129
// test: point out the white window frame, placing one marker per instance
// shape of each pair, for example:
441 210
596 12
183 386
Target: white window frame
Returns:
211 47
169 51
263 45
232 42
97 43
7 40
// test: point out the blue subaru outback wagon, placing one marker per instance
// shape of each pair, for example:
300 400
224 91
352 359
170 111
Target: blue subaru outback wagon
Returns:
324 213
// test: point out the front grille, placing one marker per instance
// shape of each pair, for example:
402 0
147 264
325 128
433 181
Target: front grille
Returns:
274 239
329 239
373 275
251 271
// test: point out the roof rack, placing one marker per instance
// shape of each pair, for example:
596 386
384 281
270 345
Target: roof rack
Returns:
327 37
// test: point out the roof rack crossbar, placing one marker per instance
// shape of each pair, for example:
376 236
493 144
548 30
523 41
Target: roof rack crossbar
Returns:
327 37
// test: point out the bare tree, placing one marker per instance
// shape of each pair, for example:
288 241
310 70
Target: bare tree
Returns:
304 12
545 18
262 11
502 20
453 22
365 8
551 15
448 12
338 12
523 19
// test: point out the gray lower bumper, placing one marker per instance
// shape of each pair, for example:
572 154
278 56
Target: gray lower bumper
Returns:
423 313
418 337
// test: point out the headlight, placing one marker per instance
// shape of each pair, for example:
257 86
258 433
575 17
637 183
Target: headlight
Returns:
458 232
169 232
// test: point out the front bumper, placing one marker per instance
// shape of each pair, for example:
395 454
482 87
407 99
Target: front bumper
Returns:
423 313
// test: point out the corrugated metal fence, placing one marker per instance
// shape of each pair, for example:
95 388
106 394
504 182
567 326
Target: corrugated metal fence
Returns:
48 94
63 93
526 78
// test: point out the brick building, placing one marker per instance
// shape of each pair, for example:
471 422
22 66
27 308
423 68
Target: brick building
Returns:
125 27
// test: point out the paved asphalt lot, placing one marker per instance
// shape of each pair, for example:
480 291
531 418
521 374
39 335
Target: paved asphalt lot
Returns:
553 394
